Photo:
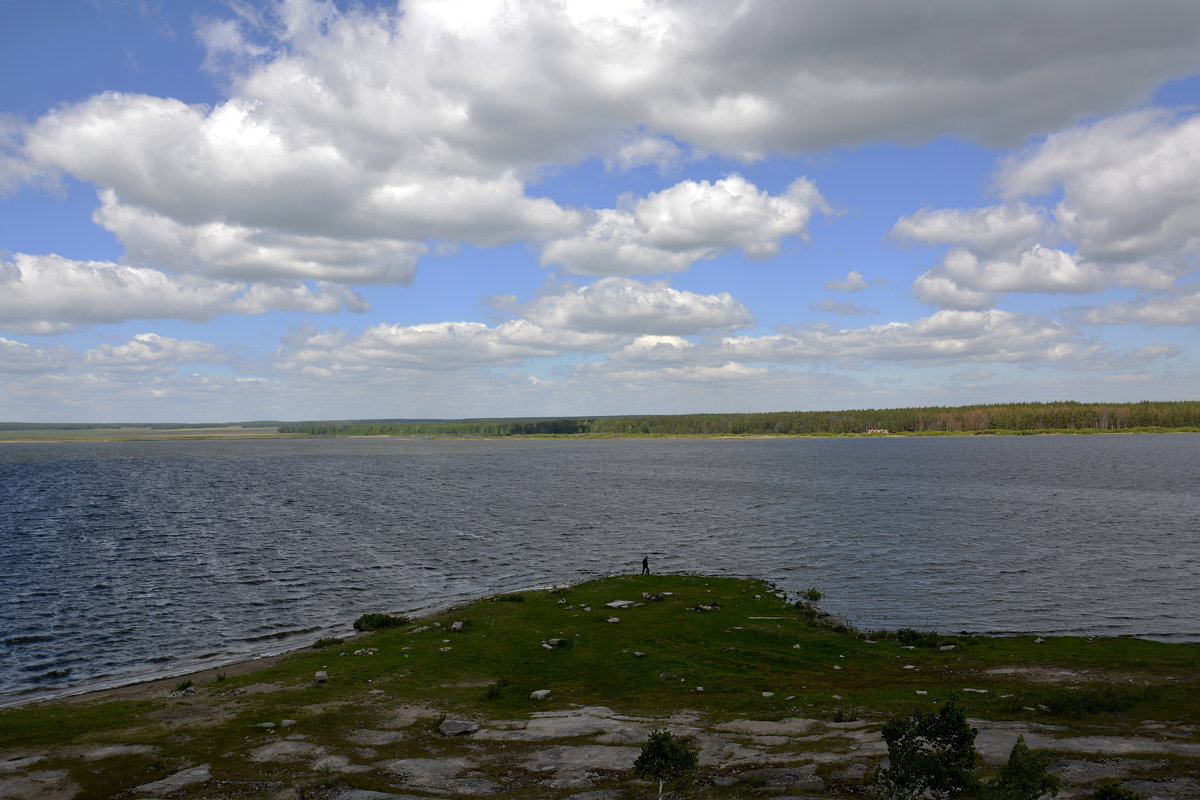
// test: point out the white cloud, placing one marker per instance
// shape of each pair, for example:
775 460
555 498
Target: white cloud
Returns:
19 358
853 282
670 230
45 294
435 346
988 232
148 354
1130 185
624 306
965 282
648 150
1129 216
383 128
982 336
834 307
1180 307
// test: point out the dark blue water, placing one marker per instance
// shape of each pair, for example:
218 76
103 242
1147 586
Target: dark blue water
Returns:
123 560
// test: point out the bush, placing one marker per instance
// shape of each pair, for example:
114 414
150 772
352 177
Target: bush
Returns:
1025 776
514 597
918 638
321 644
812 595
1111 789
930 756
665 758
378 622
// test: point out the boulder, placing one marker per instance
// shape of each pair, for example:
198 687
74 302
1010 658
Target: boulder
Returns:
539 694
458 727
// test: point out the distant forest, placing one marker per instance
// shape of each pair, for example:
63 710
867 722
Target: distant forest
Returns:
1003 418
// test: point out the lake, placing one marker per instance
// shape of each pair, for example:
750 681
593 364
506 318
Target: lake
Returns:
130 559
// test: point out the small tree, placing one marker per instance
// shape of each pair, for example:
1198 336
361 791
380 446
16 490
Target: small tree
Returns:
665 758
1025 776
930 756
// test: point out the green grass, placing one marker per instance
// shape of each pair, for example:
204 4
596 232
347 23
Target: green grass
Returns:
753 643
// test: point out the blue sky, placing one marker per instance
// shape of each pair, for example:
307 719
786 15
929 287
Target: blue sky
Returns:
216 211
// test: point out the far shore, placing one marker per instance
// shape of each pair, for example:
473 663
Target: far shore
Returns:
114 435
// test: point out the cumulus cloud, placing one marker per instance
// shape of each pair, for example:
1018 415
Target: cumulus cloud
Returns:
435 346
1130 185
46 294
624 306
670 230
372 130
20 358
148 354
648 150
1179 307
1129 216
834 307
853 282
982 336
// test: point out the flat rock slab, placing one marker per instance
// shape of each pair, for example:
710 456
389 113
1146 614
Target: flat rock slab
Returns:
995 740
286 750
367 794
576 761
374 738
795 779
15 763
793 726
177 781
47 784
590 721
442 775
117 750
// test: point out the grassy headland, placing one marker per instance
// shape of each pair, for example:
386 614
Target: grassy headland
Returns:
755 678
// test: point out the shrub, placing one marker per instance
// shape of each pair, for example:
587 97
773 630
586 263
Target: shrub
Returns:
378 622
812 595
1111 789
1025 776
182 687
930 756
320 644
918 638
665 758
514 597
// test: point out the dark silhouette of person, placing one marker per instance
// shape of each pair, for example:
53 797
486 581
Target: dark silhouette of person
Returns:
646 565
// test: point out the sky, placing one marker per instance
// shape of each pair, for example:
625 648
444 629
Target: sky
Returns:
302 209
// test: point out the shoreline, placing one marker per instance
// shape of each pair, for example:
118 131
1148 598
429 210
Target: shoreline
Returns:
154 685
546 692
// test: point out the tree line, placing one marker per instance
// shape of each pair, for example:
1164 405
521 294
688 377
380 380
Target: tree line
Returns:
996 418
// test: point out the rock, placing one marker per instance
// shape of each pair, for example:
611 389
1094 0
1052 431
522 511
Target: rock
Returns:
287 723
654 598
177 781
793 779
619 604
946 647
456 625
321 676
458 727
539 694
1038 640
557 642
613 620
270 726
768 694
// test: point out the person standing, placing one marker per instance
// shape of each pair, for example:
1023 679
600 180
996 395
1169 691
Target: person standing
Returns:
646 565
